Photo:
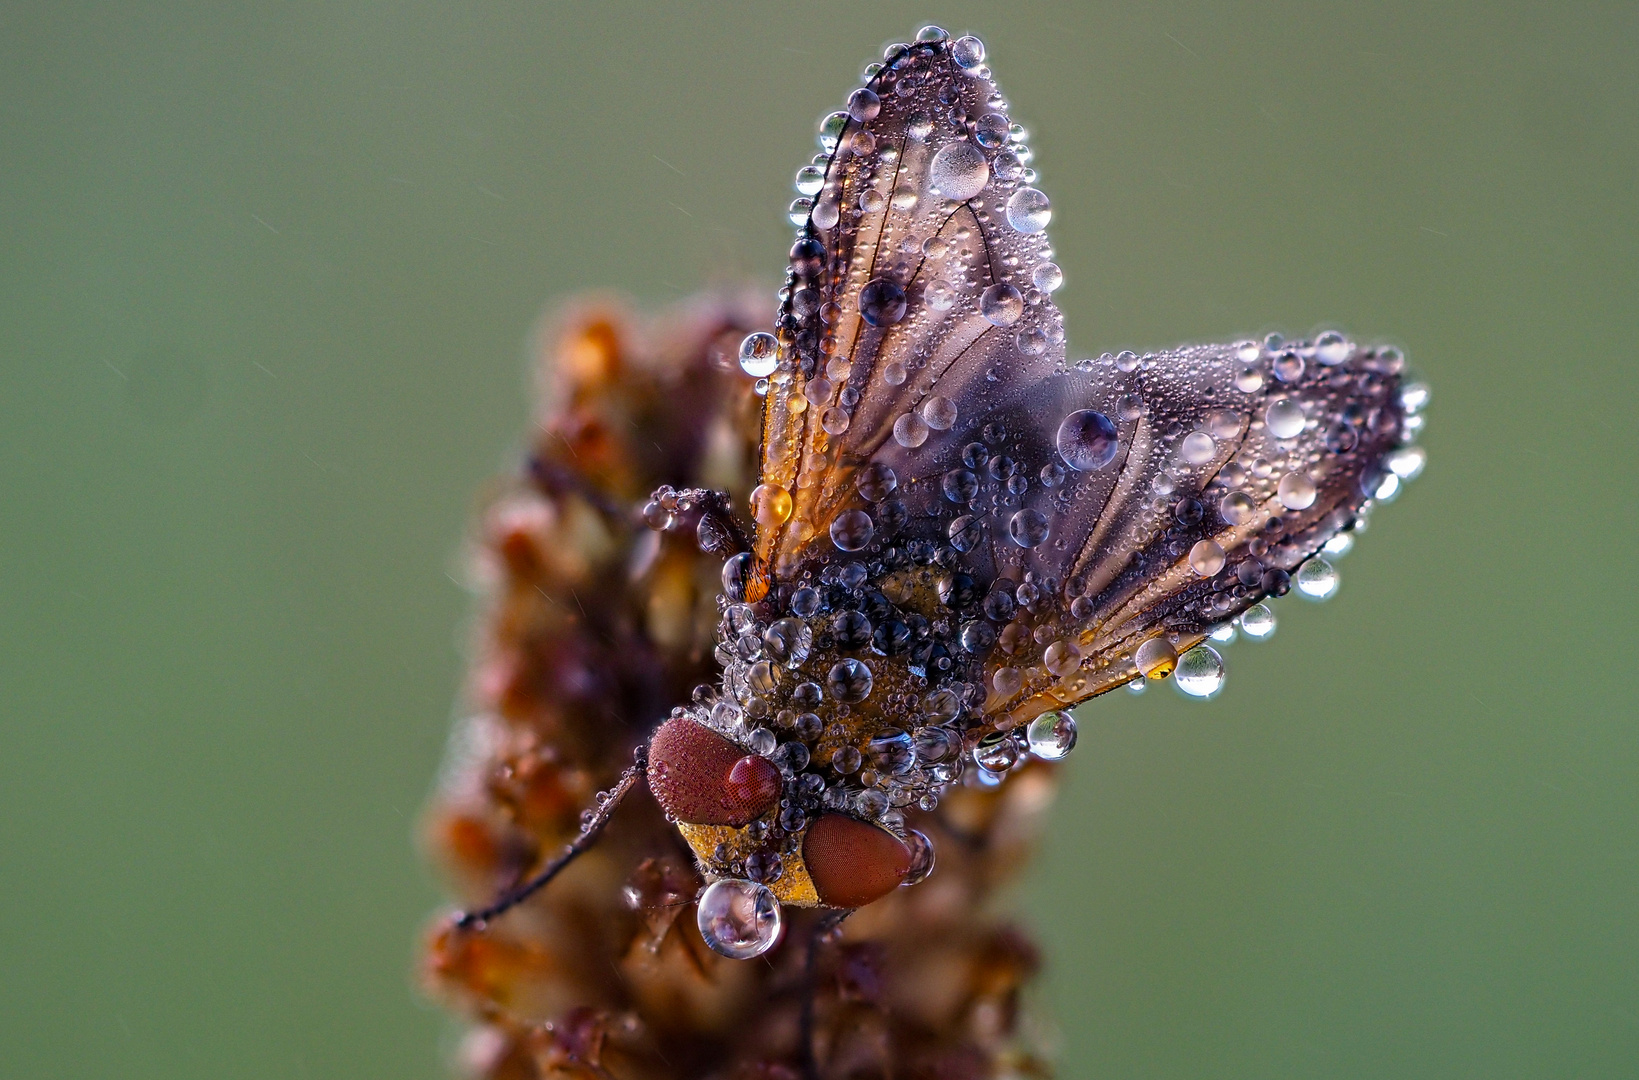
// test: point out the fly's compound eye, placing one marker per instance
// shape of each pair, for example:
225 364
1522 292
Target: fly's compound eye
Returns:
702 778
852 863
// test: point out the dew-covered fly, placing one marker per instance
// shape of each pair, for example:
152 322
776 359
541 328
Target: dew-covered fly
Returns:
957 533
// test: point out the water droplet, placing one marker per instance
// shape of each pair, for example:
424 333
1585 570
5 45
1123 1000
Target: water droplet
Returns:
770 505
1047 277
940 296
1284 417
1007 166
1200 672
1331 348
1028 528
939 412
1339 545
1296 491
1407 462
1001 305
1258 622
826 213
921 857
739 919
849 680
882 302
1237 507
759 354
1198 448
968 52
1225 634
847 759
960 486
1206 558
1087 440
997 752
966 532
1051 736
919 126
1388 489
1316 579
863 105
1061 657
910 431
990 130
1028 210
810 178
835 421
871 200
1155 658
876 481
958 171
1249 380
851 530
1414 397
1288 367
830 130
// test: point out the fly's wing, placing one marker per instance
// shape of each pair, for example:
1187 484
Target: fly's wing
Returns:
918 296
921 415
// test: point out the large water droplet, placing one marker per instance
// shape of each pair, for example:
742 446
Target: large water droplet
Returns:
851 530
1206 558
990 130
910 431
1331 348
1198 448
1414 397
739 919
921 857
770 504
1087 440
1051 736
1200 672
1284 417
939 412
1155 658
1047 277
1001 305
876 481
1028 210
958 171
1028 528
864 104
849 680
1316 579
1237 507
1296 491
1258 622
1407 462
759 354
882 302
968 52
810 178
997 752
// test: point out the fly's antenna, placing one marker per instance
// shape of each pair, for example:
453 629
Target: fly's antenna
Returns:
593 826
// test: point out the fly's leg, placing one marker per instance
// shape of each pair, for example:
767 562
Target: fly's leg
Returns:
593 827
718 533
824 927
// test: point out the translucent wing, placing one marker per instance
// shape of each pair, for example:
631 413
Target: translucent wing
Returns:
918 297
920 414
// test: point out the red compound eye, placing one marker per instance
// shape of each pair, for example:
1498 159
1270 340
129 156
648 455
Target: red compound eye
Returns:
702 778
853 863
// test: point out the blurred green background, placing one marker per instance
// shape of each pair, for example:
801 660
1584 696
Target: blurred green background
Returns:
266 274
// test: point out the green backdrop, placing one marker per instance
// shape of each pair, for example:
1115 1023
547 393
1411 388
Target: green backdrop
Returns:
266 274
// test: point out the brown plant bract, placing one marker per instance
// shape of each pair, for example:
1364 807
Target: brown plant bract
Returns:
593 627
